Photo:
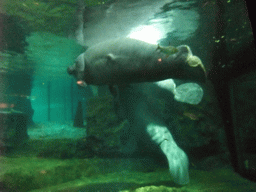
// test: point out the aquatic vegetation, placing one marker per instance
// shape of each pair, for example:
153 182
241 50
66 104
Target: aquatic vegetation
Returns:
42 16
13 35
35 176
58 148
50 16
25 174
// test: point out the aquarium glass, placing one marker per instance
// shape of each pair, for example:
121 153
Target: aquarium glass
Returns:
124 95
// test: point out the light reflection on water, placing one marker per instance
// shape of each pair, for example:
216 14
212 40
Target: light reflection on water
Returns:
47 55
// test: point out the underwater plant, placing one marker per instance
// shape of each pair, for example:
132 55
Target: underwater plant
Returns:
46 16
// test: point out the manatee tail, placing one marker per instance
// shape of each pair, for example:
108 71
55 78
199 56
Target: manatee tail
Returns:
178 163
177 158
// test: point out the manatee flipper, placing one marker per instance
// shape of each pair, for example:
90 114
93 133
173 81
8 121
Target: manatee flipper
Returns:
113 59
111 56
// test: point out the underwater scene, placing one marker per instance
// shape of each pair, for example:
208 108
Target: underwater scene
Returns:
127 96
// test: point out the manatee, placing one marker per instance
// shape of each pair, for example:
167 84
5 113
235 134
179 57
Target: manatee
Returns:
124 61
125 64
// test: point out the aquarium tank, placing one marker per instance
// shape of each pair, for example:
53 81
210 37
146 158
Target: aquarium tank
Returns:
127 96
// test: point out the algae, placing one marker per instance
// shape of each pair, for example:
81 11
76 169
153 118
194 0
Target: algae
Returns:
118 174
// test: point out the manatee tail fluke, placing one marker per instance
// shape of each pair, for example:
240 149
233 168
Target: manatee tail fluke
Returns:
178 166
177 158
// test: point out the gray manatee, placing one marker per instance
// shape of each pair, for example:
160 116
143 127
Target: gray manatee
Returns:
147 128
128 61
125 61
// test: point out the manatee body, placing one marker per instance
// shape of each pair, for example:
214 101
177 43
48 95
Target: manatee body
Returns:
124 61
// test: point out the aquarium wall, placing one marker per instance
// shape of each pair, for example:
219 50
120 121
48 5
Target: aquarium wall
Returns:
243 97
57 101
126 95
53 101
233 63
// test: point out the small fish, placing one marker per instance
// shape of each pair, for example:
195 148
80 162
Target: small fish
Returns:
81 83
170 50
